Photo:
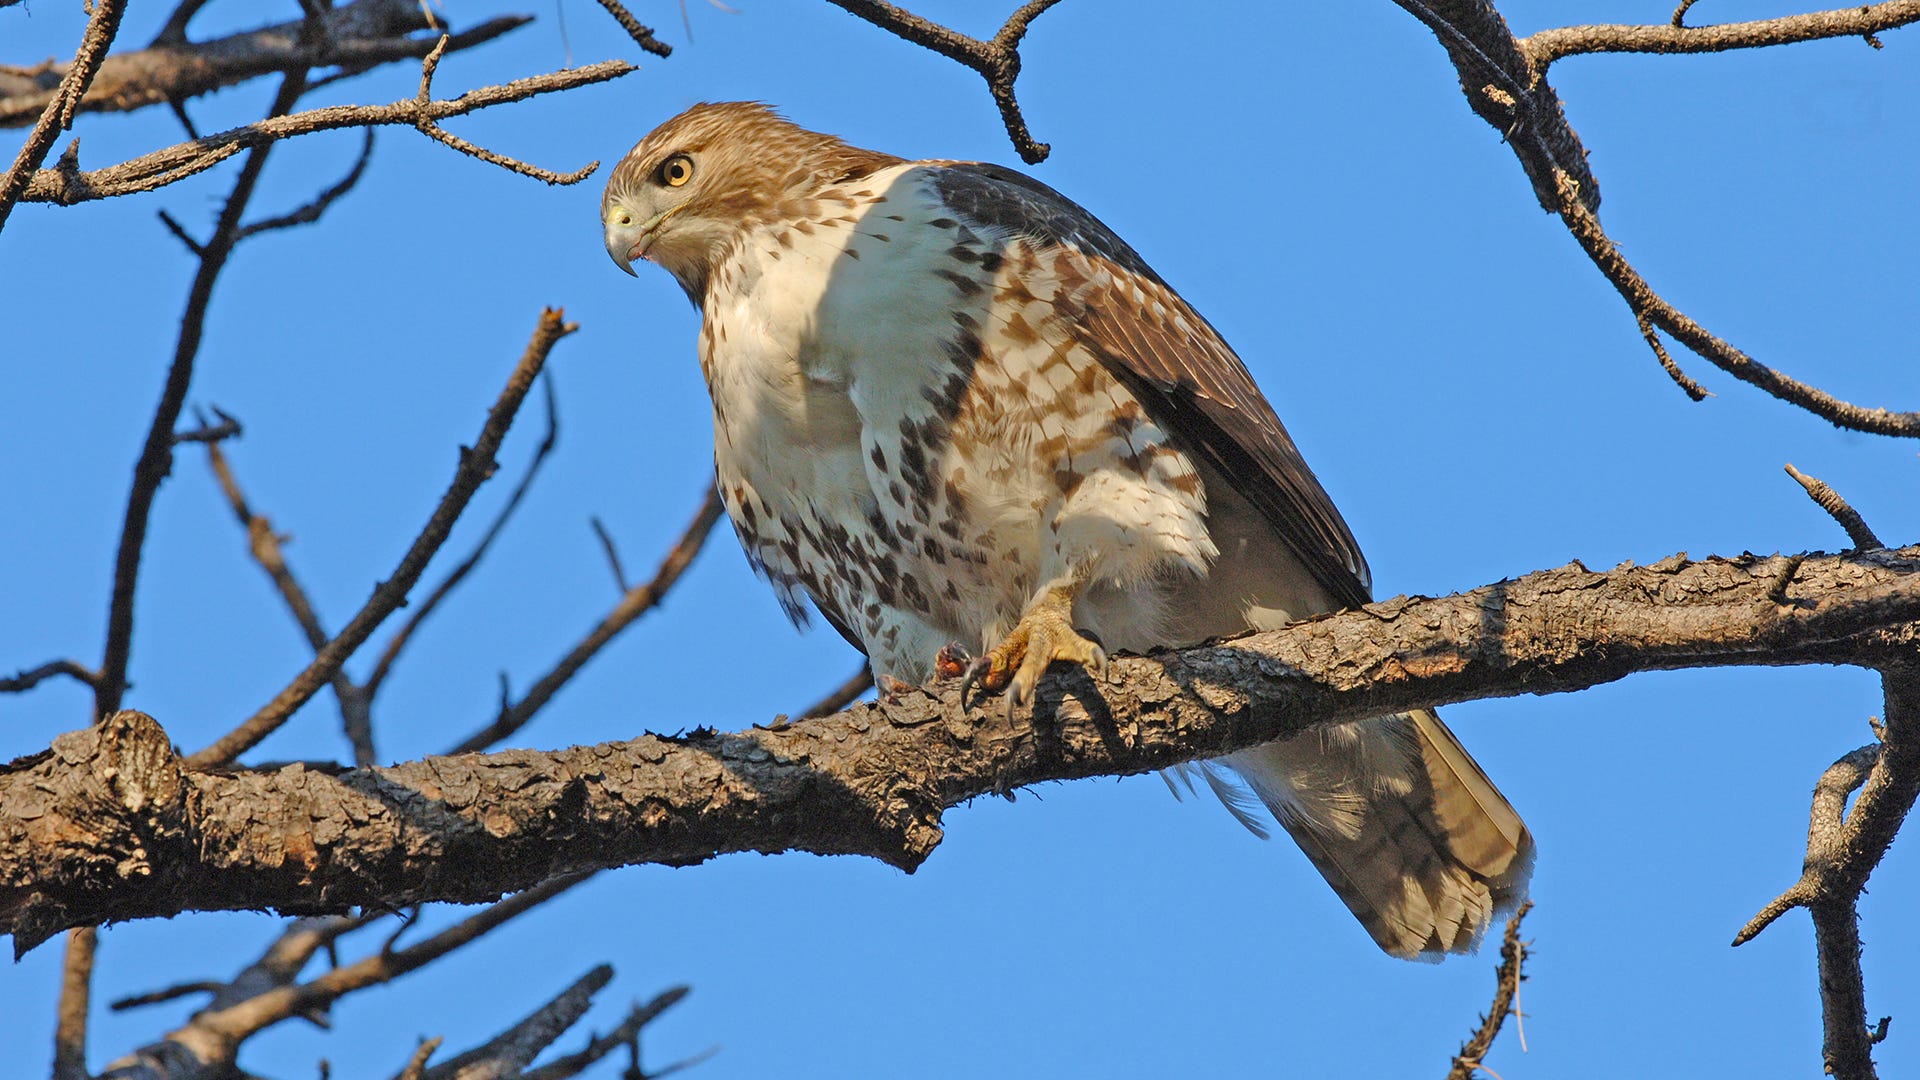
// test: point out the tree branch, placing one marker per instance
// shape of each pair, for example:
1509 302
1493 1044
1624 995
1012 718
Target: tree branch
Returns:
637 602
32 677
68 184
1506 85
57 114
1506 990
156 455
997 60
356 36
1547 46
874 780
476 465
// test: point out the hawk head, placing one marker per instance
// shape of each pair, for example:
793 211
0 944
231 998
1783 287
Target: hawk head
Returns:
697 183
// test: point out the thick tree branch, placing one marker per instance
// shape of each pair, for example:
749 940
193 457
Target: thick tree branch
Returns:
67 184
356 36
110 824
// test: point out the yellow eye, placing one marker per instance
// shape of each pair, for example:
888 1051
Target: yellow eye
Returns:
676 170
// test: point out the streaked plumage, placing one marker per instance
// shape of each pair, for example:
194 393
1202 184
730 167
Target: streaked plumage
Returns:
949 404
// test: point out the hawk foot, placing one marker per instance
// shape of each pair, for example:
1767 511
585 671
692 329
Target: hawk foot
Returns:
1043 635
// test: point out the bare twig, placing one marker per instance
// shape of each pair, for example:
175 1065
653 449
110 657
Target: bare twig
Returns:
424 123
1547 46
476 465
997 60
32 677
1504 81
356 37
172 164
1685 381
641 35
1506 987
310 213
156 457
205 1047
613 553
179 231
1650 306
460 572
843 695
626 1034
417 1065
207 432
166 994
1849 519
265 546
509 1053
1843 848
637 602
76 992
57 114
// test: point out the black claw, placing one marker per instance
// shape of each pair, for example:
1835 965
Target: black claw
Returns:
976 671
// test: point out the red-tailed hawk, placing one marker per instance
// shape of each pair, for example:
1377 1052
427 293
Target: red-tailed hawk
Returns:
951 405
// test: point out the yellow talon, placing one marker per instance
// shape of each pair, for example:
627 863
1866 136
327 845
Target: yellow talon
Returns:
1043 635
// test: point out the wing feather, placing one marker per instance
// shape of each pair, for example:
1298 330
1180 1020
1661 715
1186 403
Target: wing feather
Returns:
1174 361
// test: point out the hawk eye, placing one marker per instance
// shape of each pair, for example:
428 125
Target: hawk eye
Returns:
676 170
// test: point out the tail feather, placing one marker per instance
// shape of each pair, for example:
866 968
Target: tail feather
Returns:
1402 823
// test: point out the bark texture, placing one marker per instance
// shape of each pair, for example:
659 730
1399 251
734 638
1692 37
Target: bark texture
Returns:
109 823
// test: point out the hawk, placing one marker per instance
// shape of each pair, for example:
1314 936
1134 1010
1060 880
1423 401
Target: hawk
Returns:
949 405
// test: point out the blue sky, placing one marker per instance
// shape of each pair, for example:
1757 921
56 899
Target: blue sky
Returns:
1472 393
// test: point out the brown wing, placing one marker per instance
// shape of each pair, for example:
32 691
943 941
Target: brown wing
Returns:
1175 363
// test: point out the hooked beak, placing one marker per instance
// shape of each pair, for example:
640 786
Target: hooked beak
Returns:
628 240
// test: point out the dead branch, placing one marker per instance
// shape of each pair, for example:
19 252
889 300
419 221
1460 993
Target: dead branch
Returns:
1547 46
874 780
997 60
310 213
56 115
508 1054
425 125
68 184
207 432
417 1065
206 1046
264 544
641 35
76 994
156 456
356 36
1839 509
1843 849
1505 82
459 573
637 602
476 465
32 677
1506 988
626 1034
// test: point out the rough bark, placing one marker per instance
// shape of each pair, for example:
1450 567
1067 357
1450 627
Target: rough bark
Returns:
108 824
